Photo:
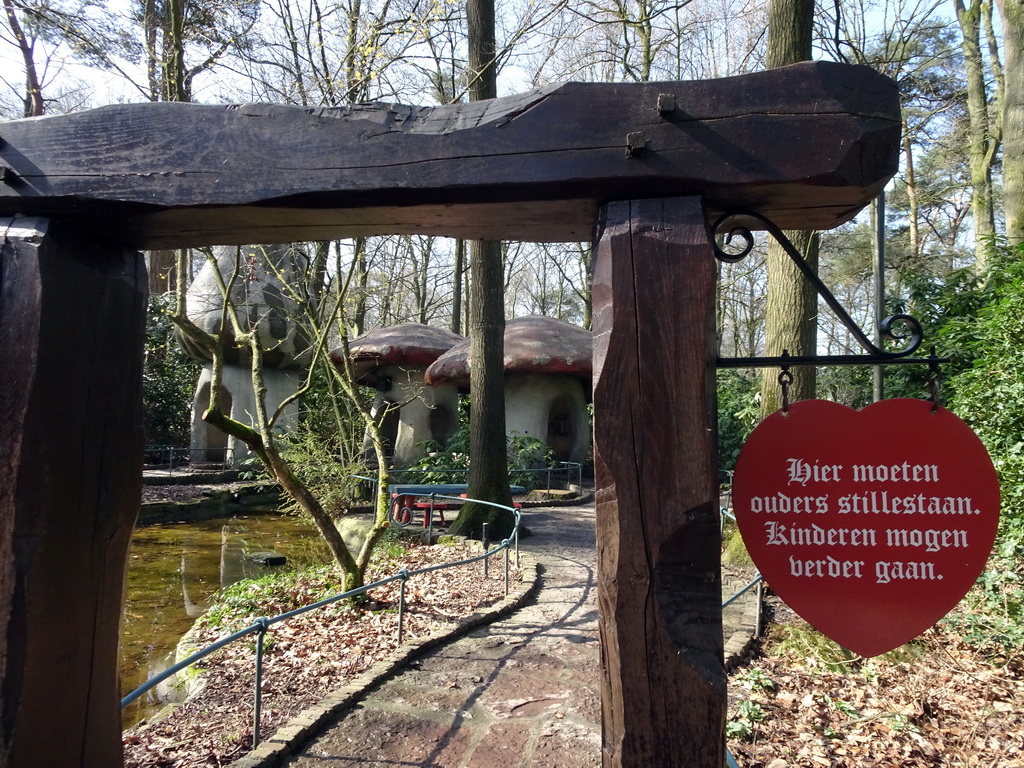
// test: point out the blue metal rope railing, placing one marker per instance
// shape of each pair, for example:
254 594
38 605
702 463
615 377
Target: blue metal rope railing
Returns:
758 583
564 473
171 457
261 626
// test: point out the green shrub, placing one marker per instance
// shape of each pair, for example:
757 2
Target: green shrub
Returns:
989 396
323 471
169 378
737 413
528 458
743 725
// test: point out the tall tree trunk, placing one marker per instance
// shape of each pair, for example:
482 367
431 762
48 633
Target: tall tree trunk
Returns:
1012 13
362 283
483 73
488 470
33 90
790 30
586 290
174 53
466 279
166 75
352 80
984 139
910 177
318 270
790 320
161 266
150 28
460 259
422 278
792 306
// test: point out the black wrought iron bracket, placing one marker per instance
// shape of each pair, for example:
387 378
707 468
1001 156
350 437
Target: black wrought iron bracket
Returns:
734 225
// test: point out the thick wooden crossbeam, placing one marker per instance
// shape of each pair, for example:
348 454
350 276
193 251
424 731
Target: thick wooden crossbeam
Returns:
807 146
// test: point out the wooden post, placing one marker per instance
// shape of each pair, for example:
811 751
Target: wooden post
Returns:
72 319
659 583
806 146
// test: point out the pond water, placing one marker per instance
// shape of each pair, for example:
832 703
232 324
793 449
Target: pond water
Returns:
173 571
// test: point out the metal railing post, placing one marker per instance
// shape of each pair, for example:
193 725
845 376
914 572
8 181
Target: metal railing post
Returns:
261 626
257 708
487 546
760 604
505 545
404 574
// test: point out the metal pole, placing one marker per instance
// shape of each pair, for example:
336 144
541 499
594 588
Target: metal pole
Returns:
506 568
486 544
401 607
760 603
878 211
257 709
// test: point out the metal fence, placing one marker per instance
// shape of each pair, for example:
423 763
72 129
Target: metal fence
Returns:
261 625
756 583
563 475
175 457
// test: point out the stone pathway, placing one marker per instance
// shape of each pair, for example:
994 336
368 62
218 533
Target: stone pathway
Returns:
523 691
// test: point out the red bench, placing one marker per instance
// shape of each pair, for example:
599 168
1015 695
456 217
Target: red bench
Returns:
404 507
404 504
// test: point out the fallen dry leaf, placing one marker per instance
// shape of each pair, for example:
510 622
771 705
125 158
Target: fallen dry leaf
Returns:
310 656
953 707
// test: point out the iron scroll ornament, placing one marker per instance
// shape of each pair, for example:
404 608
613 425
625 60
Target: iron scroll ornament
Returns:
912 335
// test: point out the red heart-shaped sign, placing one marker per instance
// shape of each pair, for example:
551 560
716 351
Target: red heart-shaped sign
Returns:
870 524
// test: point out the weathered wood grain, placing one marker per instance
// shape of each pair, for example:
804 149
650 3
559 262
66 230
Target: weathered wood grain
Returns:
806 145
72 314
659 582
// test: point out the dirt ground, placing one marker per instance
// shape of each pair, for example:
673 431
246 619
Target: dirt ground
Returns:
495 700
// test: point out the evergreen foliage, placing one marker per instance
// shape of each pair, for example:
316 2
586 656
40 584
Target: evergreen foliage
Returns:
528 457
168 379
987 391
737 414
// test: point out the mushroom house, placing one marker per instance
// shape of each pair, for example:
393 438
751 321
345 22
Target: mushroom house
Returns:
548 371
409 411
260 301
